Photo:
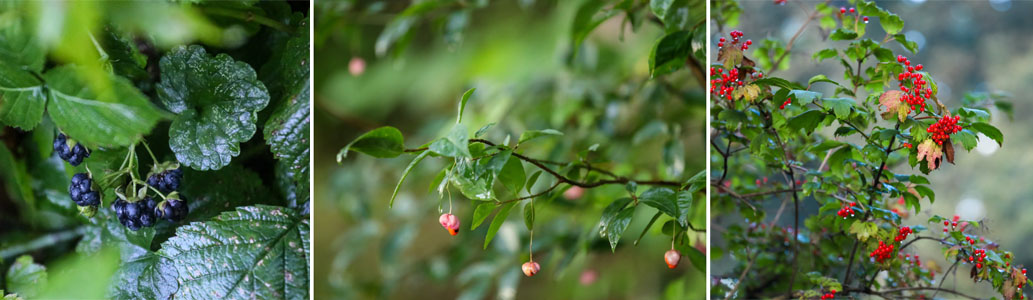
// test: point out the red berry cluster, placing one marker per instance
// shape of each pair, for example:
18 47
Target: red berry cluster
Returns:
953 223
902 234
917 93
787 102
907 145
882 253
724 84
736 35
915 261
942 129
830 295
847 210
843 10
978 258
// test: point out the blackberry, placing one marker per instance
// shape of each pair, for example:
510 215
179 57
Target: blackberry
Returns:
166 181
135 215
75 154
82 192
173 209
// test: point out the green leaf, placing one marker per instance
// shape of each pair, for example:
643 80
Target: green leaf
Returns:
529 215
253 252
512 175
840 106
807 121
287 134
532 180
674 14
820 78
481 213
891 23
842 34
966 138
216 100
909 45
698 259
462 104
533 134
618 225
927 192
117 115
804 97
483 130
587 19
864 230
25 277
154 277
286 73
383 142
22 100
670 53
825 54
497 222
684 202
20 45
405 173
610 212
473 181
989 131
648 225
456 144
663 199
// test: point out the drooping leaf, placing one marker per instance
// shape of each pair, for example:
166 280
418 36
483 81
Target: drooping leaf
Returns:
405 173
589 15
610 212
618 225
481 213
216 100
512 175
529 215
497 222
989 131
684 205
116 115
22 99
383 142
473 181
253 252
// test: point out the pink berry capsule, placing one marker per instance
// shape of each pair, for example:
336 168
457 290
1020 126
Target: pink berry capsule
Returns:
450 222
530 268
672 257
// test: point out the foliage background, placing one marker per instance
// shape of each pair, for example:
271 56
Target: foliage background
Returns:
97 258
518 56
968 47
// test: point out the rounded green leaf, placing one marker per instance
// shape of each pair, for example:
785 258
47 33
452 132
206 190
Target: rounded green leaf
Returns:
108 112
254 252
26 277
383 142
216 100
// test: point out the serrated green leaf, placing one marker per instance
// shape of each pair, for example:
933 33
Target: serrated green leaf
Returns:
154 277
383 142
462 104
497 222
512 175
25 277
210 193
287 134
807 121
117 115
533 134
825 54
804 97
253 252
20 45
216 100
891 23
966 138
286 73
840 106
455 144
842 34
22 99
670 53
820 78
989 131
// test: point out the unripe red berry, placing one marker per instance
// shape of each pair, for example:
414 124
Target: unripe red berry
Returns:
450 222
530 268
672 257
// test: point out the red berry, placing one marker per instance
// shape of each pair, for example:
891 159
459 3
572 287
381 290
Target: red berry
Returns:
530 268
450 222
842 10
672 257
852 10
865 19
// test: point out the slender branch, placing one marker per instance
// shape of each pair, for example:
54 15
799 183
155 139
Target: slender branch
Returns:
789 46
751 195
944 278
539 194
871 200
742 276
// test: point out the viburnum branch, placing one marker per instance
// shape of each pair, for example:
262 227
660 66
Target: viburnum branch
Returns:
871 200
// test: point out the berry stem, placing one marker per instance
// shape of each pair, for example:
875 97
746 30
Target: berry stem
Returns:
152 188
153 158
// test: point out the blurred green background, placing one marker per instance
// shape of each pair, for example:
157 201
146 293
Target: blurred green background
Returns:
377 66
973 49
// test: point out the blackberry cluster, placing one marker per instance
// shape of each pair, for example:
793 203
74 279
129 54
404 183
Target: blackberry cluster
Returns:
166 181
173 209
74 155
82 191
137 214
